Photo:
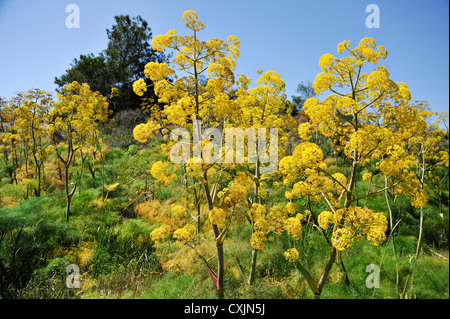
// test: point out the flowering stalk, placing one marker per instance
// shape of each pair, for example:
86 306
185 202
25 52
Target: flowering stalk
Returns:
76 116
188 104
256 199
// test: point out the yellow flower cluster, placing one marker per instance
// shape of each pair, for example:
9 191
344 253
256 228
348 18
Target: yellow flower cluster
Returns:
293 226
342 238
114 92
378 80
322 115
305 130
326 62
245 180
275 221
291 255
307 155
217 216
178 211
161 173
366 176
190 19
157 71
315 184
257 212
160 233
233 195
258 239
340 182
291 209
78 110
354 223
323 82
396 161
367 50
343 46
288 170
257 215
142 132
371 141
140 87
419 198
209 101
325 218
184 234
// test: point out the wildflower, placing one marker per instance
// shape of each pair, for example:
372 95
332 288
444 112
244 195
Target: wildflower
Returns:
325 218
217 216
140 87
342 238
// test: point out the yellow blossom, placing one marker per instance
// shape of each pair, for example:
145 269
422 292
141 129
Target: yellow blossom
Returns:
325 218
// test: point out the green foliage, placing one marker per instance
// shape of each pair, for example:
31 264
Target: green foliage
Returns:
28 233
173 287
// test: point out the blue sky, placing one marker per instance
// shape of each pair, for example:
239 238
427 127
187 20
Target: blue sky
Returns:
285 36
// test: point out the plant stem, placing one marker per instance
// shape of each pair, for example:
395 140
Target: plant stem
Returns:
326 271
219 245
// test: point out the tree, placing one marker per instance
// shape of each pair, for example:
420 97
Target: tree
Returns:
9 139
75 117
356 114
3 112
190 105
128 51
129 48
306 91
31 119
118 65
90 69
262 107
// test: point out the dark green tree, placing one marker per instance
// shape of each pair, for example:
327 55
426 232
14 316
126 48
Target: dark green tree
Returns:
305 91
89 69
119 65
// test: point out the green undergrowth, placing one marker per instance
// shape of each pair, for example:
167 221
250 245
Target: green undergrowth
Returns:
111 245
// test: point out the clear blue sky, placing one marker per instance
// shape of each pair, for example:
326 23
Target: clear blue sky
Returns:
285 36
